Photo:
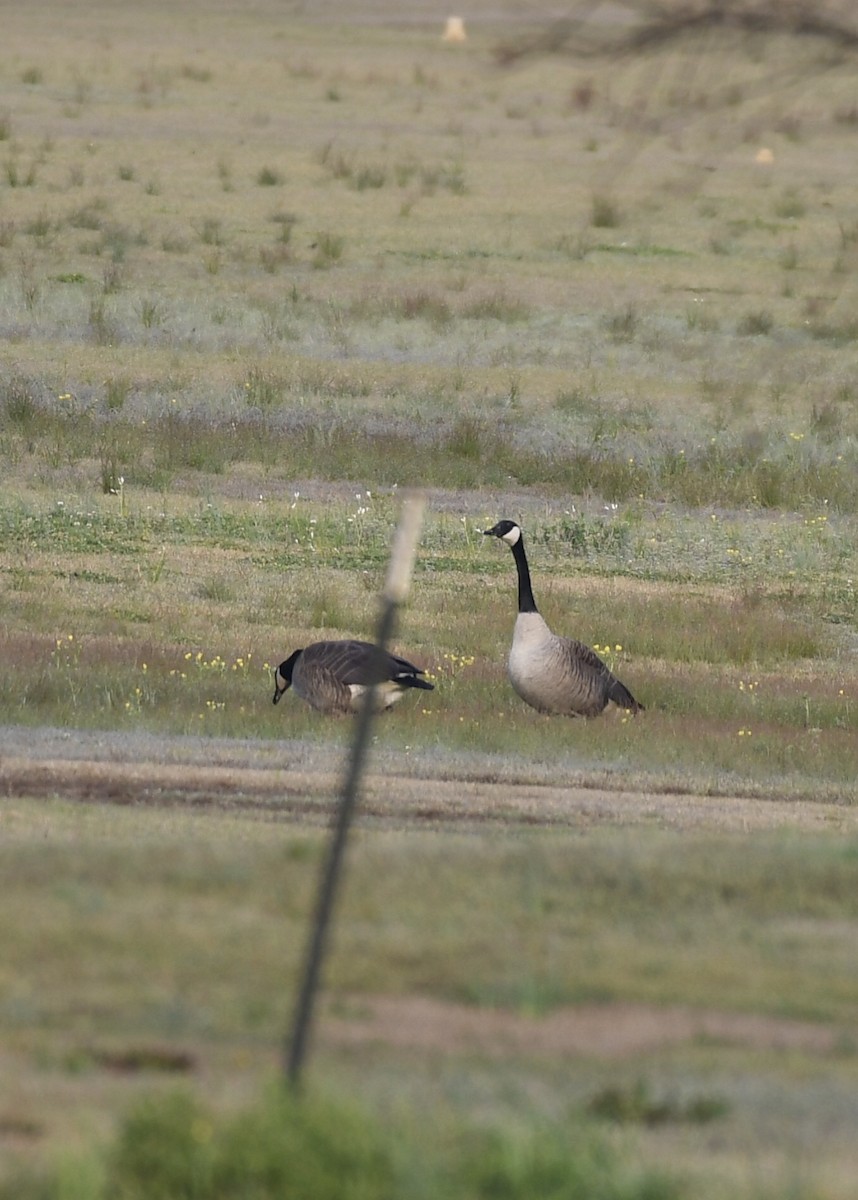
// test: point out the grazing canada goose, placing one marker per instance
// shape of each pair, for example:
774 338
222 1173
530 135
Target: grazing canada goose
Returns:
551 673
332 676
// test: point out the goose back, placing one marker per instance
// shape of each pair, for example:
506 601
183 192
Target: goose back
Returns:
332 676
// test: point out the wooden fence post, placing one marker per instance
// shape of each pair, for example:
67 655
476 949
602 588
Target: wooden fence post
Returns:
396 585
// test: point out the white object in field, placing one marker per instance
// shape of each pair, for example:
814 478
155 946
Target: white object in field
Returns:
454 30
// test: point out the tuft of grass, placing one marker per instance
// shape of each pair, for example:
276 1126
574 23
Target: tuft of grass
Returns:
425 305
217 589
622 325
28 283
576 401
368 176
151 312
174 243
16 177
639 1106
263 389
91 216
40 225
103 329
117 389
269 177
604 212
328 249
20 408
113 278
210 230
758 323
112 479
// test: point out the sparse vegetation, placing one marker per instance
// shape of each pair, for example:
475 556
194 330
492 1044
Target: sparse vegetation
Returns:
211 396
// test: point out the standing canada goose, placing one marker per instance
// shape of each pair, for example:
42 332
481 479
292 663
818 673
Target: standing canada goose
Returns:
332 676
551 673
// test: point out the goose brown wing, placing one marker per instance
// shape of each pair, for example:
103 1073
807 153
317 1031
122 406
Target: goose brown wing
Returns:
606 686
349 661
356 662
320 687
586 658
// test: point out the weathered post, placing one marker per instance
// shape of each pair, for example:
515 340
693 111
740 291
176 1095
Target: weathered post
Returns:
396 585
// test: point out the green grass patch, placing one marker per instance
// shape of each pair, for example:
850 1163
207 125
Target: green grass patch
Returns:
137 940
315 1148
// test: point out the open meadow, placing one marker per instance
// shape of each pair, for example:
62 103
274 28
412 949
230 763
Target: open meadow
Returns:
264 267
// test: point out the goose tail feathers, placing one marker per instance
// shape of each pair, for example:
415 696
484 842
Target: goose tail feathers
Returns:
413 681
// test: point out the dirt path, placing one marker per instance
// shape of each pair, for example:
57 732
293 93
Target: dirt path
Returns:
299 781
612 1031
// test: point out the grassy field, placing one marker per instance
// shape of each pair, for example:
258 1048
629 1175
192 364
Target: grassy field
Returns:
259 272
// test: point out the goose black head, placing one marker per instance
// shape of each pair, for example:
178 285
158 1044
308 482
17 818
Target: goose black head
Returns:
283 674
507 531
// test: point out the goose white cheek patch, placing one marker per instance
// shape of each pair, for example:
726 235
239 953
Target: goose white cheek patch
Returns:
512 537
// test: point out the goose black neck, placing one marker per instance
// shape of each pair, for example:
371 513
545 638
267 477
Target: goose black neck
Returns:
526 602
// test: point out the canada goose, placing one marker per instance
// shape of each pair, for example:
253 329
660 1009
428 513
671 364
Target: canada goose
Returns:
551 673
332 676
